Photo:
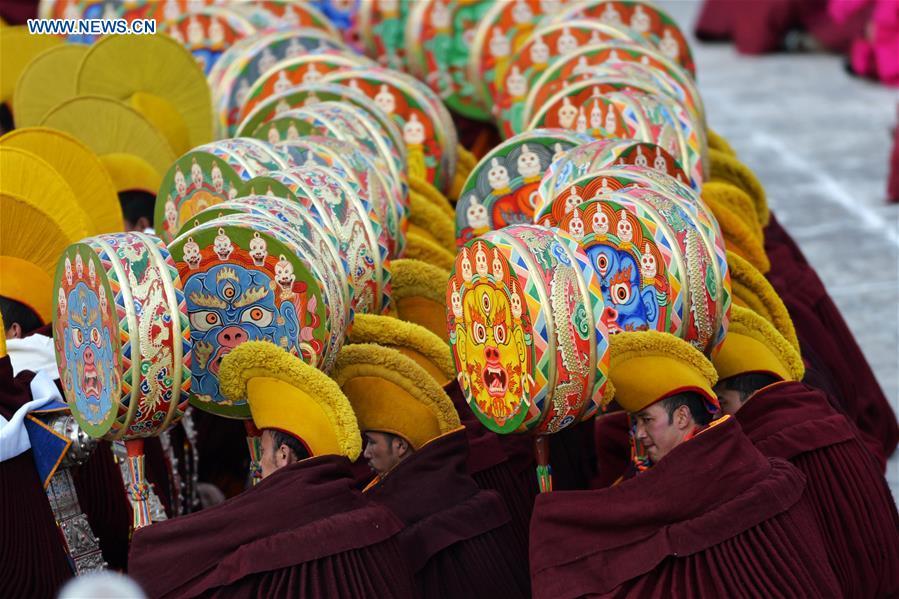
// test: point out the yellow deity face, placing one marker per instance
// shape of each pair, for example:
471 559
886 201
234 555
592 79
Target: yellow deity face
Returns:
491 344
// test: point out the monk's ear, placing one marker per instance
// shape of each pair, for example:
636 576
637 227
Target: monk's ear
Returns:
683 419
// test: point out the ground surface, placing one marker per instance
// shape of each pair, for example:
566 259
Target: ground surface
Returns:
819 141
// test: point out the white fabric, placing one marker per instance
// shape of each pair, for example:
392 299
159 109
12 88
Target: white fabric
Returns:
13 435
34 353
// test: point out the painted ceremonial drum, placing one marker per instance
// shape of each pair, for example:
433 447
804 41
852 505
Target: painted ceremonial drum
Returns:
547 45
286 75
611 106
121 335
361 241
502 31
304 230
427 127
270 14
641 17
382 25
209 175
501 189
525 324
438 43
591 157
243 283
241 66
208 33
320 120
626 239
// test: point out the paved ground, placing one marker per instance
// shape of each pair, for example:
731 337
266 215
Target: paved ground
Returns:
819 141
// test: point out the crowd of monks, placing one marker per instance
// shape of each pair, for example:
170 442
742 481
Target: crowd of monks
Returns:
760 471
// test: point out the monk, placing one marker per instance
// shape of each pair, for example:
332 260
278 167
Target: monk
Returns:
759 382
303 531
711 517
458 539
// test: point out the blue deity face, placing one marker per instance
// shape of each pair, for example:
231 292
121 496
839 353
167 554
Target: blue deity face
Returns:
628 308
229 305
88 350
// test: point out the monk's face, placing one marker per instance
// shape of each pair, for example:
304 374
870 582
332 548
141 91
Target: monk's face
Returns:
660 433
384 451
273 458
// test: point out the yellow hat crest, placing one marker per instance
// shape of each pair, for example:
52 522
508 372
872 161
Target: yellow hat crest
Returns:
391 393
46 81
413 341
754 345
752 290
728 169
648 366
287 394
427 249
419 294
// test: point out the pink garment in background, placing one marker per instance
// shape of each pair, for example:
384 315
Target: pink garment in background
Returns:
876 54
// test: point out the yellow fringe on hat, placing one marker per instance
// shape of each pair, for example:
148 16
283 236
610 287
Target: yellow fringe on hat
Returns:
753 290
425 215
80 168
717 142
31 178
412 340
261 359
647 366
379 410
757 347
49 79
433 195
718 193
17 48
3 352
419 294
739 239
419 247
730 170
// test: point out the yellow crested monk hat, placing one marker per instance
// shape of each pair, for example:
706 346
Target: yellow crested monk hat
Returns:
421 245
740 237
156 76
413 341
18 48
735 203
39 219
753 345
726 168
286 394
752 290
81 169
134 152
390 393
429 219
419 294
648 366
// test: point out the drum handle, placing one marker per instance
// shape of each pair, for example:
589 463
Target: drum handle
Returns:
254 444
544 469
138 489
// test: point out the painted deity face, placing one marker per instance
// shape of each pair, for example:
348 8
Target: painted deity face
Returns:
499 43
494 351
628 308
539 51
88 350
516 82
414 131
229 305
528 163
498 176
476 214
385 100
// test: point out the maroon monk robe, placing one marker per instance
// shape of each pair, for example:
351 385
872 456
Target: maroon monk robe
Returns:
613 450
224 458
491 468
32 560
837 363
301 532
714 518
852 503
457 539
